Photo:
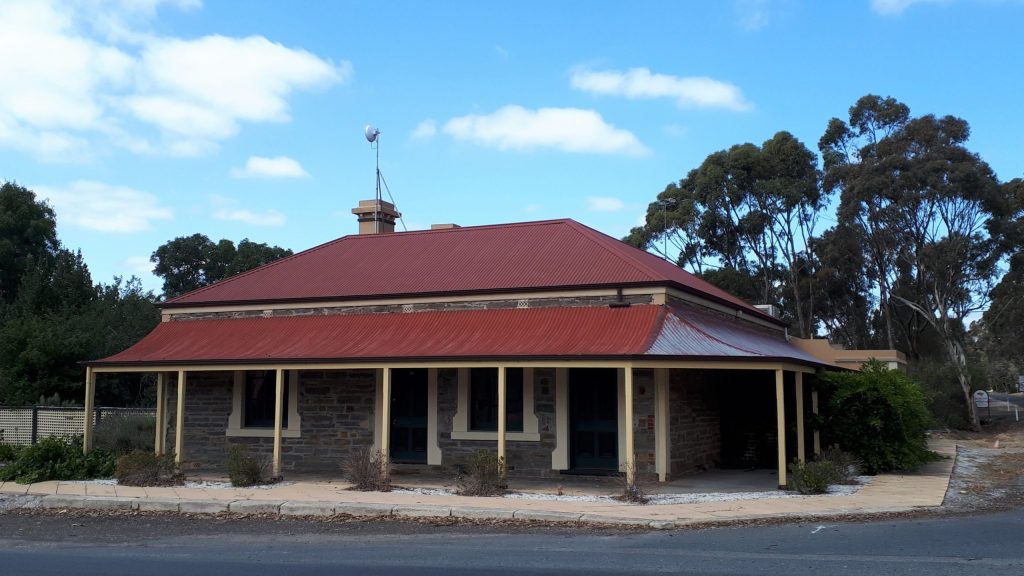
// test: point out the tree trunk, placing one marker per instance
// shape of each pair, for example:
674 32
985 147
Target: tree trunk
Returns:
959 359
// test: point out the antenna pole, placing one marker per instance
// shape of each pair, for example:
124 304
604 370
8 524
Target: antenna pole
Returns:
376 206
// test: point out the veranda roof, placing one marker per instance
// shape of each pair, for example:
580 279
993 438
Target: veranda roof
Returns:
633 332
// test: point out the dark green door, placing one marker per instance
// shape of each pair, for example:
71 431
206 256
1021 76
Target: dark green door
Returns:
409 415
594 418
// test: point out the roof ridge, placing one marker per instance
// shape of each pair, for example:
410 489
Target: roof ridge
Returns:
459 229
594 236
241 275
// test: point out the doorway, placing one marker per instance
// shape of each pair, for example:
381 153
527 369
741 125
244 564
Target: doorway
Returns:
409 415
593 419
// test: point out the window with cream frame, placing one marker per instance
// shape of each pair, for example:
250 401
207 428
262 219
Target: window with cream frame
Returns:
525 421
255 389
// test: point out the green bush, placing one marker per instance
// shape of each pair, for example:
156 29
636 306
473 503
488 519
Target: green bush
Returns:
482 474
56 458
945 397
811 477
847 466
139 468
124 433
246 469
878 415
8 453
367 471
833 466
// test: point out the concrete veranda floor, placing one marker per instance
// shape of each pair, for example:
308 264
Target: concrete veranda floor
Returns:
884 493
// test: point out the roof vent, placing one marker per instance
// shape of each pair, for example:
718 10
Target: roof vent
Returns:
444 226
769 309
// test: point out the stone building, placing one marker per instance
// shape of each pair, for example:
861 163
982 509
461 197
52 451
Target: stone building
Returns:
561 348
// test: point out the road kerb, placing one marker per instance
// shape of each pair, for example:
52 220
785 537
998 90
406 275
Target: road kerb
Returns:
546 516
87 502
308 508
255 507
483 513
422 511
202 506
371 510
157 504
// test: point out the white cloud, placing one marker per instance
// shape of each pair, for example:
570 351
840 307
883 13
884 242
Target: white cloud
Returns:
137 265
104 207
896 7
424 130
604 204
264 218
567 129
91 71
278 167
636 83
228 81
533 208
227 209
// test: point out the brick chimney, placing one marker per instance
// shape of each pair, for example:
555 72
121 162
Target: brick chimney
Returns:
376 217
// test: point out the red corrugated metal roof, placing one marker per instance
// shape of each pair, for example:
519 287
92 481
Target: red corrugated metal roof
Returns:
508 257
579 332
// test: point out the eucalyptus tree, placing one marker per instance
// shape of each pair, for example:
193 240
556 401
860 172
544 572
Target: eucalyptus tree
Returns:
931 214
745 216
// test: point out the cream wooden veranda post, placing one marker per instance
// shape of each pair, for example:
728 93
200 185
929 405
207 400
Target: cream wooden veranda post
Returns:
780 415
90 398
814 410
801 453
661 447
385 418
278 420
161 413
179 425
502 407
630 453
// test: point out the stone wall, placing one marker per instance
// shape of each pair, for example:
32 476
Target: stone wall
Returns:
574 301
524 458
207 407
694 424
336 408
644 402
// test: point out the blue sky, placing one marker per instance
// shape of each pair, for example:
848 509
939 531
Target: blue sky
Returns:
145 120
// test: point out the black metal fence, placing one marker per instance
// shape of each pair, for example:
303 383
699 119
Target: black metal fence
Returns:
24 425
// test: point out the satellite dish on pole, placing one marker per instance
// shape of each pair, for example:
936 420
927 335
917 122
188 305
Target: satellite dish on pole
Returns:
371 133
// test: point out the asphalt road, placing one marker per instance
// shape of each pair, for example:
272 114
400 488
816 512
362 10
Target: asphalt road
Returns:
168 545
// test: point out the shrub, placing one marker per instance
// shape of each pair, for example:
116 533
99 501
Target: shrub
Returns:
57 458
139 468
124 433
482 474
847 465
246 469
8 453
880 416
633 491
812 477
368 471
833 466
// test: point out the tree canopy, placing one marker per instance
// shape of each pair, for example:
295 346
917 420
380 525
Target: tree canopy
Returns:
190 262
914 244
52 316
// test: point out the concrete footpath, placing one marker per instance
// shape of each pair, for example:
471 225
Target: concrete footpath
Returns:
885 493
